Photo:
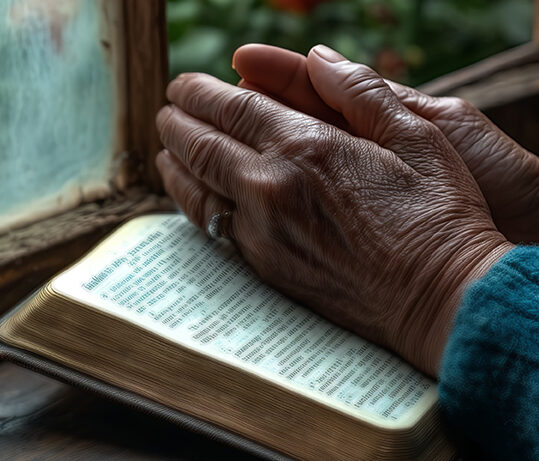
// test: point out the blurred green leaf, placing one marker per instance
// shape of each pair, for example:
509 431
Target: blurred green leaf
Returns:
183 11
197 50
421 38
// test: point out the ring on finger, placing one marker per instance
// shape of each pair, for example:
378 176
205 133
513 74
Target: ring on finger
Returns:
214 228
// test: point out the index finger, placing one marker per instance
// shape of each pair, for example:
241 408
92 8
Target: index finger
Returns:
248 116
283 74
213 157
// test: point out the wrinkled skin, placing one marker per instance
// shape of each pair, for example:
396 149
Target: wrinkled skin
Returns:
379 230
507 174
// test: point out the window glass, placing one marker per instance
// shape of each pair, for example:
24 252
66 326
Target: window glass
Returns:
57 106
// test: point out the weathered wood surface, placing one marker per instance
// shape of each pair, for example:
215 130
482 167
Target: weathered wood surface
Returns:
487 72
502 87
29 256
147 75
41 419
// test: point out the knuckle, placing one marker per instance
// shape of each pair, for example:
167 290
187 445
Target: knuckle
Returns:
407 93
166 125
285 193
259 184
429 131
422 129
362 79
189 89
269 186
459 105
199 146
417 134
309 141
235 111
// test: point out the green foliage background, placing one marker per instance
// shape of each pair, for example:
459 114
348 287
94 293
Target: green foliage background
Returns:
410 40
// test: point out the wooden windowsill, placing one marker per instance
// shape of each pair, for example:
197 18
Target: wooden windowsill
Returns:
32 254
495 81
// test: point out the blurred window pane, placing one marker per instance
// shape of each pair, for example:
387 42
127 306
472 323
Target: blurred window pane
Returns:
57 107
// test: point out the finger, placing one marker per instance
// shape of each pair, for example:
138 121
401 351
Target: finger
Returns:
282 75
253 87
374 111
249 117
457 119
211 156
331 117
488 152
422 104
357 92
197 201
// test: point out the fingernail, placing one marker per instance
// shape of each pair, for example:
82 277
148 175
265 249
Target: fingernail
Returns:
328 54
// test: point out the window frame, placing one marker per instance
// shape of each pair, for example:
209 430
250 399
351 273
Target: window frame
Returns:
31 254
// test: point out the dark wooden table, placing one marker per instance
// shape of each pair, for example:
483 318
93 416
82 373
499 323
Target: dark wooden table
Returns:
41 419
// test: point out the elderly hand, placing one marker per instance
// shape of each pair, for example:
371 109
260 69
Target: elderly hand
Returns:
507 174
379 231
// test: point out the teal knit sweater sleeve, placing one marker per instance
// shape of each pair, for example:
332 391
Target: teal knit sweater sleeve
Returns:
489 378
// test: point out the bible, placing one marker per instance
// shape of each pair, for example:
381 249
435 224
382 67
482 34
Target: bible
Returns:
162 312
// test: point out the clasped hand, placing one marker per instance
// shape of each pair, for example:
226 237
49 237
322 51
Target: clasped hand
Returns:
345 195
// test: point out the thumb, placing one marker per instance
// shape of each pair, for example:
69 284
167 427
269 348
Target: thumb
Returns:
363 97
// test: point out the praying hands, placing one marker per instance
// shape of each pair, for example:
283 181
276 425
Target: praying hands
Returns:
354 195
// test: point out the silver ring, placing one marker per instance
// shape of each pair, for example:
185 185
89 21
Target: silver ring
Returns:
214 224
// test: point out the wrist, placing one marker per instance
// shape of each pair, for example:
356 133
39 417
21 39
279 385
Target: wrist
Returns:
516 213
427 339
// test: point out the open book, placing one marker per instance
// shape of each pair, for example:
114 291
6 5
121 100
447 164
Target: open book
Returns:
160 310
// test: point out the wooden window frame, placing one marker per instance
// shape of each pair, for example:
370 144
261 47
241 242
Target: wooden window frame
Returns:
31 254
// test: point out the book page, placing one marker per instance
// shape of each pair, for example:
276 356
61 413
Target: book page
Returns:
164 274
